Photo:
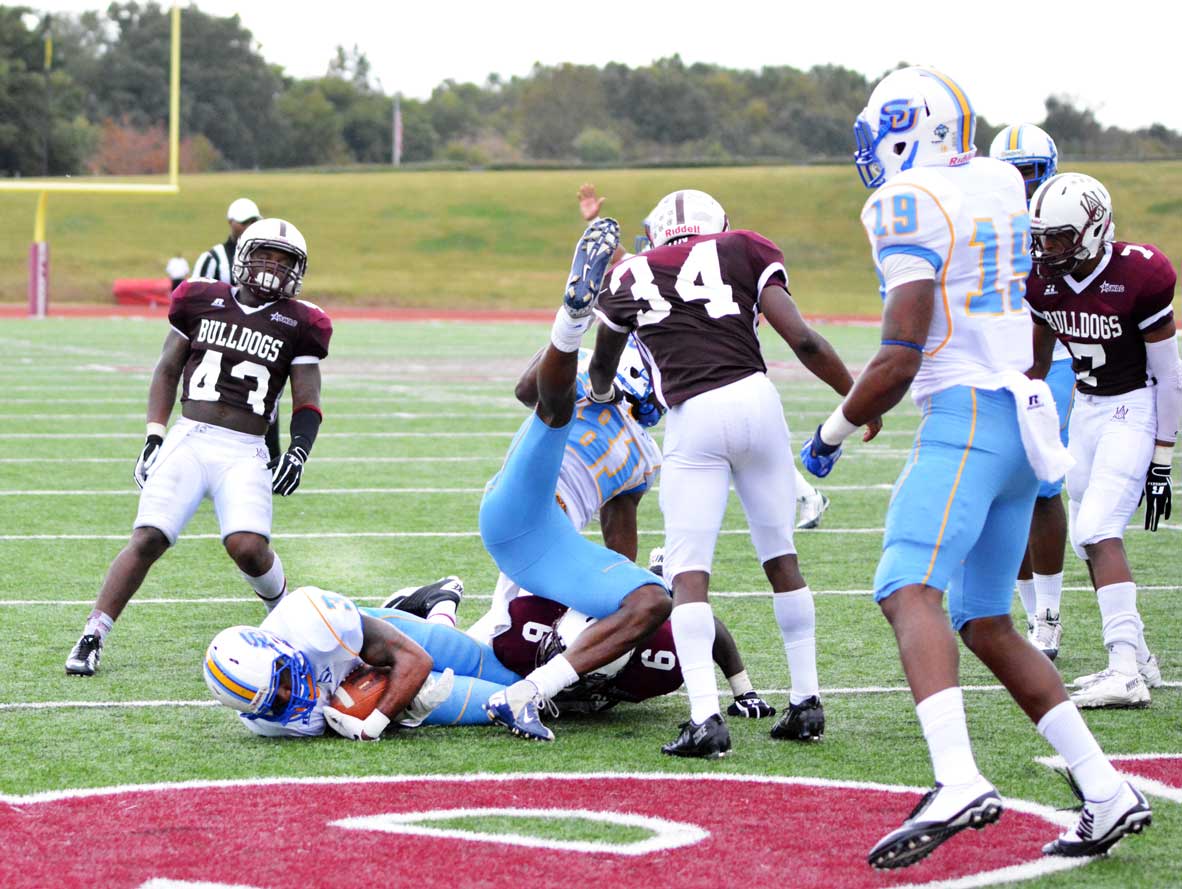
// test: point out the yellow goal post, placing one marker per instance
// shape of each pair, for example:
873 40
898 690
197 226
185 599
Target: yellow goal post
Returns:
39 249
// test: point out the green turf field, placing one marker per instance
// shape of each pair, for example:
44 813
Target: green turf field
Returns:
417 419
493 239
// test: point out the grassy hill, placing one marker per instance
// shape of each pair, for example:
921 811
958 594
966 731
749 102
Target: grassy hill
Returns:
492 239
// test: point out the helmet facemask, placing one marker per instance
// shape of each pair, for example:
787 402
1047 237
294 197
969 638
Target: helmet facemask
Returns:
1057 263
267 277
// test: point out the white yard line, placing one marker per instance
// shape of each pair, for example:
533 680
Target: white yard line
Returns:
384 535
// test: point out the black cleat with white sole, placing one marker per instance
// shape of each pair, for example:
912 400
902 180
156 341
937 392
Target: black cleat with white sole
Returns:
419 602
1102 825
941 814
801 722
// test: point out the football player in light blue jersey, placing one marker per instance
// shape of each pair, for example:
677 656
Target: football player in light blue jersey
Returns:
950 237
1040 579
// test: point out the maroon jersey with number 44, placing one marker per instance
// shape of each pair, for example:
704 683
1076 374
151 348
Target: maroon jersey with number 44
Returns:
240 355
652 670
695 306
1103 318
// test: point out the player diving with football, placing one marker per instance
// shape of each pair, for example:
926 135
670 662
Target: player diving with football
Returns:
1111 304
231 349
609 464
692 302
949 234
533 541
1040 578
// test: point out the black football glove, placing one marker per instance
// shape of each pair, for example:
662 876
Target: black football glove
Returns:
286 470
751 706
147 457
1157 495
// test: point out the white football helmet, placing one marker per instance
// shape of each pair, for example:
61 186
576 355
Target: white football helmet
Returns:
1031 150
243 669
268 278
566 631
916 117
684 214
1070 222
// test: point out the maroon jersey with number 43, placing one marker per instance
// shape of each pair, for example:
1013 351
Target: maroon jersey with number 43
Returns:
652 670
695 306
241 355
1103 318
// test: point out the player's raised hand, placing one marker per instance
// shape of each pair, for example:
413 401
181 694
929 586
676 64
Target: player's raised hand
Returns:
589 202
147 457
287 470
1157 495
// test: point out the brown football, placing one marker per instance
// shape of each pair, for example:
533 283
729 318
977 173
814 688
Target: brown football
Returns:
359 694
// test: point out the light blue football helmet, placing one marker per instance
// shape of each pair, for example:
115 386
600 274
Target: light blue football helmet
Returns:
243 669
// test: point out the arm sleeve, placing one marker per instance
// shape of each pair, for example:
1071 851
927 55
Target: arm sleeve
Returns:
313 345
767 261
1162 358
616 307
178 309
1154 304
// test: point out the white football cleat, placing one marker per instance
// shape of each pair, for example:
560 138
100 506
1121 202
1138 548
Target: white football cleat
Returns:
810 509
943 812
1150 671
1047 633
1110 688
1102 825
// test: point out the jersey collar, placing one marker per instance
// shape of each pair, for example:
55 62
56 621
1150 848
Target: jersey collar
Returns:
249 310
1081 286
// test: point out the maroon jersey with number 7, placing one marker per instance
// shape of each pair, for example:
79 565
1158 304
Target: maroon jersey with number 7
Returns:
694 306
242 355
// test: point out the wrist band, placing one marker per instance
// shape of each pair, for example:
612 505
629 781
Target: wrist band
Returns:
1163 454
375 724
602 397
837 428
157 429
907 344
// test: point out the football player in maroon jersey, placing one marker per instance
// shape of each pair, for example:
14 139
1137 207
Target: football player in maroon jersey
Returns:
1111 303
693 301
232 349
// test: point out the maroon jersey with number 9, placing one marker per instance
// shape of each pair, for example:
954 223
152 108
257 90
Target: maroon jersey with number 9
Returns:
240 355
695 306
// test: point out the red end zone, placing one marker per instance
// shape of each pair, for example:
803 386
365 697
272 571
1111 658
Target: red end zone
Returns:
277 833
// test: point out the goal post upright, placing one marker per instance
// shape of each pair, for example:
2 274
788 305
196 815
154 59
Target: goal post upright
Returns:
38 289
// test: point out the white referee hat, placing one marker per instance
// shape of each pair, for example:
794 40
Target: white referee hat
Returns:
243 210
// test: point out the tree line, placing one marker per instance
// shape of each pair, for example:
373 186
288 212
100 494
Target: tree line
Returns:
101 106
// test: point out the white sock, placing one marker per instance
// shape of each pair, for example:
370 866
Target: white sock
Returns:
1026 593
271 586
1066 731
443 613
1122 625
98 624
944 727
693 635
804 488
1048 591
740 683
566 334
553 676
1143 652
796 615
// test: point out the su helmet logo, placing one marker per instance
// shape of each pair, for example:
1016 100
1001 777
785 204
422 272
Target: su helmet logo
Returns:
899 115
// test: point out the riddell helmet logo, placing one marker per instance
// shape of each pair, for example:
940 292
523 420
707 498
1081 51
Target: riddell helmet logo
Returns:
678 230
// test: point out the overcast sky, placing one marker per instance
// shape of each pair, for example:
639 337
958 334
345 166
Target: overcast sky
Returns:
1118 61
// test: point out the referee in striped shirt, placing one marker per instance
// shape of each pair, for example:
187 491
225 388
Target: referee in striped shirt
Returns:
217 263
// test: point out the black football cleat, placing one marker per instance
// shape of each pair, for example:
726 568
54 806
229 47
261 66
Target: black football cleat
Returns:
801 722
84 656
420 602
943 812
706 740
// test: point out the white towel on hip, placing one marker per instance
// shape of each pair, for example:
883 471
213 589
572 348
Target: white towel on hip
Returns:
1038 423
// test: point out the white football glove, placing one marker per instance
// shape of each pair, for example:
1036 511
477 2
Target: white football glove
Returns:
347 726
433 693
